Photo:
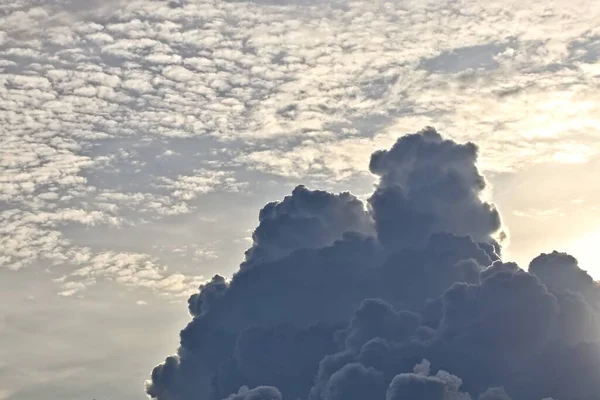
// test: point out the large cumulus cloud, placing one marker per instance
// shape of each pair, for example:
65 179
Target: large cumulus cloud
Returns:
429 184
406 298
304 220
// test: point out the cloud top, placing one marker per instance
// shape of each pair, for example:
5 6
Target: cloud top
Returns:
404 299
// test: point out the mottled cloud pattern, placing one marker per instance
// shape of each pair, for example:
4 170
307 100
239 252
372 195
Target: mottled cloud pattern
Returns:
416 306
128 113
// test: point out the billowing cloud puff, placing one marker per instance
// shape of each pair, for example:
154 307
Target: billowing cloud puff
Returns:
561 272
494 394
305 220
407 298
429 184
276 356
259 393
411 386
354 382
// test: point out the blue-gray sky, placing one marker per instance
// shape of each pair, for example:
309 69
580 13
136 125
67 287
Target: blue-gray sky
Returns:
139 139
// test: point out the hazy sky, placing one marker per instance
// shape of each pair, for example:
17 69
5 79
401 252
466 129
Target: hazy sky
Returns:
139 139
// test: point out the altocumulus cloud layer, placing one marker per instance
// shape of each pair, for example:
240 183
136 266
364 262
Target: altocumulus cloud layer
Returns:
404 298
120 114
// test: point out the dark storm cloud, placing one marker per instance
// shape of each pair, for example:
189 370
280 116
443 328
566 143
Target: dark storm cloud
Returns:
408 386
259 393
277 356
494 394
405 300
307 219
429 184
354 382
560 272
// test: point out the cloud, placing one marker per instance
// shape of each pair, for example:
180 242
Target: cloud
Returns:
93 93
353 382
259 393
263 356
420 386
306 219
331 312
495 394
191 186
561 272
428 184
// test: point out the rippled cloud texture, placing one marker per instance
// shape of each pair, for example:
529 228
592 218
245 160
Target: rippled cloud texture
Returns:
419 305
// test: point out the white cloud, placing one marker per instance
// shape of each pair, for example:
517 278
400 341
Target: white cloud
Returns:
291 90
188 187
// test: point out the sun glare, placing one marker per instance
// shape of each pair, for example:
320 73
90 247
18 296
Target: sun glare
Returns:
585 250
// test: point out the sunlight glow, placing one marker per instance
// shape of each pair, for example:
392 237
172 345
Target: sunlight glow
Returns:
585 250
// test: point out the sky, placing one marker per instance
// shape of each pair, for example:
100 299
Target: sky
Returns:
140 139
